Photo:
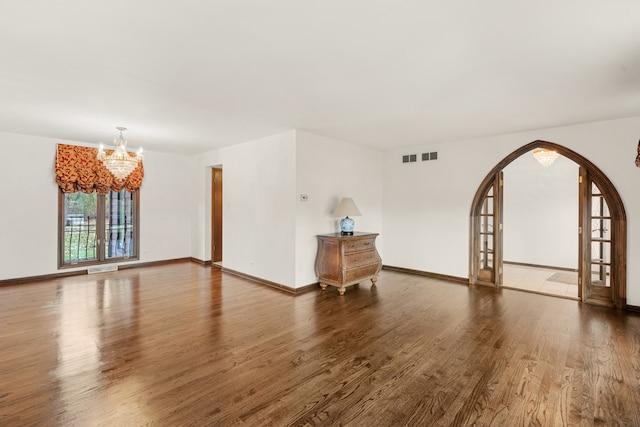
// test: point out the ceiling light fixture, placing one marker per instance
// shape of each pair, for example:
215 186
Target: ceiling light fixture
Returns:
120 163
545 157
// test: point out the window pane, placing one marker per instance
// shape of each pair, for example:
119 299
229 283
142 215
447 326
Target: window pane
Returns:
79 227
119 221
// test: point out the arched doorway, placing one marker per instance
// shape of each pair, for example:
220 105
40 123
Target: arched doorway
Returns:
602 231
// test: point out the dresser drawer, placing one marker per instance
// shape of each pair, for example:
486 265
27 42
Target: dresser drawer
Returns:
358 274
358 245
358 259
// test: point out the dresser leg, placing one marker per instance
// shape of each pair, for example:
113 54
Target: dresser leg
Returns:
323 286
373 281
341 290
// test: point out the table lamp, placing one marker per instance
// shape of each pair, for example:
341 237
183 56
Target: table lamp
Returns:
347 207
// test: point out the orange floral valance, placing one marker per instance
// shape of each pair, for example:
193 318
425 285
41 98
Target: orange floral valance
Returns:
78 169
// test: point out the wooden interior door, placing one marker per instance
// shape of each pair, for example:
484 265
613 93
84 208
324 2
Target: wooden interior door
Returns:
216 214
498 217
490 234
595 244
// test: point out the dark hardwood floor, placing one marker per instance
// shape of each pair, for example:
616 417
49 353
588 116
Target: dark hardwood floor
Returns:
185 345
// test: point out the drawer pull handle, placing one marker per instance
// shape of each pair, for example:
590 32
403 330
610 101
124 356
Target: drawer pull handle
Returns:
367 244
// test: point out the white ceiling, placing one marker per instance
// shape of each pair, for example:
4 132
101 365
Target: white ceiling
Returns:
188 76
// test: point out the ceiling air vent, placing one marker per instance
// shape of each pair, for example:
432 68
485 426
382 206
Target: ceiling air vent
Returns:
408 158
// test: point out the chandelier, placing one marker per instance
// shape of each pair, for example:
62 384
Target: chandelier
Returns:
120 163
545 157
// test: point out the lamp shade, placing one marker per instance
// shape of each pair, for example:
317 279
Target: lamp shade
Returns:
347 207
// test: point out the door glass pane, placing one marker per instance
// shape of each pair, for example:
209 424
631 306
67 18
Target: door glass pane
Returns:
599 207
600 229
119 209
601 252
486 261
601 275
489 245
486 224
79 227
487 206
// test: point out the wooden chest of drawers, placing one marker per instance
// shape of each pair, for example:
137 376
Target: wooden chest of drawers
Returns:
346 260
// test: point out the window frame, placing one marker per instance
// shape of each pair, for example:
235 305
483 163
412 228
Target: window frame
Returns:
100 229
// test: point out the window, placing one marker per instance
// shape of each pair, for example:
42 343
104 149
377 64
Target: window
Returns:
95 229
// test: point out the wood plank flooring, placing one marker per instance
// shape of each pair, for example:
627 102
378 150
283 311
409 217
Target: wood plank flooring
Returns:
186 345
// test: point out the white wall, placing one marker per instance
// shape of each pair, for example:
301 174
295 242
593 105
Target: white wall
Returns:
29 207
541 212
426 208
165 217
426 205
268 232
259 207
424 219
327 170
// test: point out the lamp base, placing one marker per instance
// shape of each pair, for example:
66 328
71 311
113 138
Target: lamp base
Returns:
346 226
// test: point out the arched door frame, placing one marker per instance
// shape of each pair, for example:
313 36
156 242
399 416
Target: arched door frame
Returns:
616 207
